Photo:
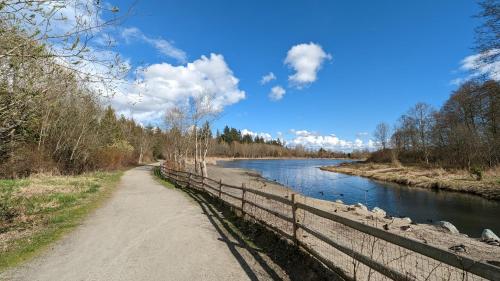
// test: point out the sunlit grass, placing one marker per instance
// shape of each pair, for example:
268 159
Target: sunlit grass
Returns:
37 211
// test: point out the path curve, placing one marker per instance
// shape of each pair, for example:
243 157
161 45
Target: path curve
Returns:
144 232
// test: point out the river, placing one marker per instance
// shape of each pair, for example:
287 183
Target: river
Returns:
469 213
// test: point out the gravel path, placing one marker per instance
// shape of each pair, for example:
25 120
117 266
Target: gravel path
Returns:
144 232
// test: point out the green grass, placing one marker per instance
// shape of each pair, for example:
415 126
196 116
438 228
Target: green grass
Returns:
166 183
38 211
159 179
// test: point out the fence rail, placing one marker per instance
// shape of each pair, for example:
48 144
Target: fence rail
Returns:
354 249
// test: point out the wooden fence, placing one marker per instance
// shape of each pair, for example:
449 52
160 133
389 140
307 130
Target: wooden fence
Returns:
355 250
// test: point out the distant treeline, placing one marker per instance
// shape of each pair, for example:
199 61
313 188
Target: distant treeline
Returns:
463 133
230 135
232 143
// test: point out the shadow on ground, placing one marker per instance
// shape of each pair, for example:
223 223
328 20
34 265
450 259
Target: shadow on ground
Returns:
260 252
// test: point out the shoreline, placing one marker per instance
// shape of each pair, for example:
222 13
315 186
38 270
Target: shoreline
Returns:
428 233
212 160
431 178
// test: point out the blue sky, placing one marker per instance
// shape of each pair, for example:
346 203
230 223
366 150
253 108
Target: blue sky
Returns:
380 58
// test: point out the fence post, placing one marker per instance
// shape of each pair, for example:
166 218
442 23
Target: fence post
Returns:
189 181
203 183
220 189
294 216
243 190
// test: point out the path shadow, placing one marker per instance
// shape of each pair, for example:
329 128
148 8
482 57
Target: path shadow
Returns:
261 253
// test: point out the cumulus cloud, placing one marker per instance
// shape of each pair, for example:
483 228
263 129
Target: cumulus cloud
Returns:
476 66
163 46
265 136
332 142
163 85
267 78
302 133
277 93
306 60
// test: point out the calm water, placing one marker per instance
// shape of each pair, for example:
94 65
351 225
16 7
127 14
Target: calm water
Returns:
469 213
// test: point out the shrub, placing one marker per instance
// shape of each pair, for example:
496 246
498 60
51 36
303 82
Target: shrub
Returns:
8 205
477 172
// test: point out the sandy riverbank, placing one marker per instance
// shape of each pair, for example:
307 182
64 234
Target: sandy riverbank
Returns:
435 178
431 234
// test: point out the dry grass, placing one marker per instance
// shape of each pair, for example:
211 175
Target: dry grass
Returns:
437 178
37 210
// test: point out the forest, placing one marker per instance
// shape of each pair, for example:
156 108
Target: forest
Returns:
232 143
463 133
55 113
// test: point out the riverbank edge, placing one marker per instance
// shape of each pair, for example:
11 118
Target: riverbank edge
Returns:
400 175
428 233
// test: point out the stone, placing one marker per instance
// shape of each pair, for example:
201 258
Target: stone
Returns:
488 235
493 243
405 227
406 220
339 201
379 211
448 227
459 248
361 206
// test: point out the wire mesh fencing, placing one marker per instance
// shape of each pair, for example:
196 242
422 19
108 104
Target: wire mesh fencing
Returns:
355 250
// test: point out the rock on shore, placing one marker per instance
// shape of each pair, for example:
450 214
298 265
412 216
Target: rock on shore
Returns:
448 227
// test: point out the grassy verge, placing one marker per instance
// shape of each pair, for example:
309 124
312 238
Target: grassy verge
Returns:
36 211
158 178
434 178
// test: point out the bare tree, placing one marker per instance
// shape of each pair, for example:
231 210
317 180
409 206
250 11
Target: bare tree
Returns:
177 122
203 109
422 115
487 35
382 134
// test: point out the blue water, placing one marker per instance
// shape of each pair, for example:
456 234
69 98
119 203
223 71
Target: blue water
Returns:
469 213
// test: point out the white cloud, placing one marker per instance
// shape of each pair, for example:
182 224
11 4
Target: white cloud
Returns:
362 134
267 78
265 136
303 133
163 46
162 86
475 65
277 93
372 144
315 141
306 60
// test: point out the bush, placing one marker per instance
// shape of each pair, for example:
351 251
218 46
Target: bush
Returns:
116 155
477 172
8 205
381 156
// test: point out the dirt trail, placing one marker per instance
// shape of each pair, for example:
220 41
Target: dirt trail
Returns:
144 232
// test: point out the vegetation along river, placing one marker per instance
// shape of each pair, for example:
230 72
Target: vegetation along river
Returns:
469 213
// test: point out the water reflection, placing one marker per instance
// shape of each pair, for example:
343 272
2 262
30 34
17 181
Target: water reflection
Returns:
471 214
